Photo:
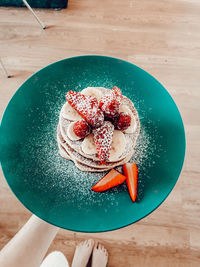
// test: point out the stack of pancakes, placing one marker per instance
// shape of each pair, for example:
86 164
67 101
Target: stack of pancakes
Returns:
72 149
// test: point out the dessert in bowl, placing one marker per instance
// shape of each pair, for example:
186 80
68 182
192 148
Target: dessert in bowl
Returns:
52 187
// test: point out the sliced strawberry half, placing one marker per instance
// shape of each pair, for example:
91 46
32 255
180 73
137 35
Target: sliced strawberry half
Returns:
87 107
110 103
111 179
103 140
131 173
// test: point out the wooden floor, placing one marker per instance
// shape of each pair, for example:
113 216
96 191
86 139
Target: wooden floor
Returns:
163 37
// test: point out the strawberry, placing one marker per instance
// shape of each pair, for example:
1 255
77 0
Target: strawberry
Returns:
87 107
117 92
97 119
103 139
124 121
81 128
106 98
110 108
111 179
110 103
131 173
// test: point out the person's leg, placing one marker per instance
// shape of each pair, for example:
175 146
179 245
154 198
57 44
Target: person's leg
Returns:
29 246
99 256
82 253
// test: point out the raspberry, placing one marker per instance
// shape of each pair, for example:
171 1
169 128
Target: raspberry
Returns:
124 121
103 139
110 103
87 107
81 128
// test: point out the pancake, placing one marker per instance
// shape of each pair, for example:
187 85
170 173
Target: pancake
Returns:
74 155
90 162
130 138
80 165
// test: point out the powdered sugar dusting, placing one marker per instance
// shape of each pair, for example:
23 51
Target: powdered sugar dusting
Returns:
60 178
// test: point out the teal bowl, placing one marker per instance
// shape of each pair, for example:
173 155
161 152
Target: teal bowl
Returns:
53 188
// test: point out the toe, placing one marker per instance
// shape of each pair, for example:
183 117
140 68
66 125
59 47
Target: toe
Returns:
85 243
103 249
95 246
91 242
88 243
106 252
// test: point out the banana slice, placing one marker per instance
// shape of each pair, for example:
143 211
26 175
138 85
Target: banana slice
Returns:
133 126
71 134
118 145
69 113
88 145
92 91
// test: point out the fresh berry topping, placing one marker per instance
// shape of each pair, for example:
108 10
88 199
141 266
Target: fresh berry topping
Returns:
87 107
110 103
98 118
124 121
131 172
105 99
81 128
111 179
103 140
117 91
110 109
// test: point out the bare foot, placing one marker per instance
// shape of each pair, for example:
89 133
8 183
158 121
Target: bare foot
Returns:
82 253
99 256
